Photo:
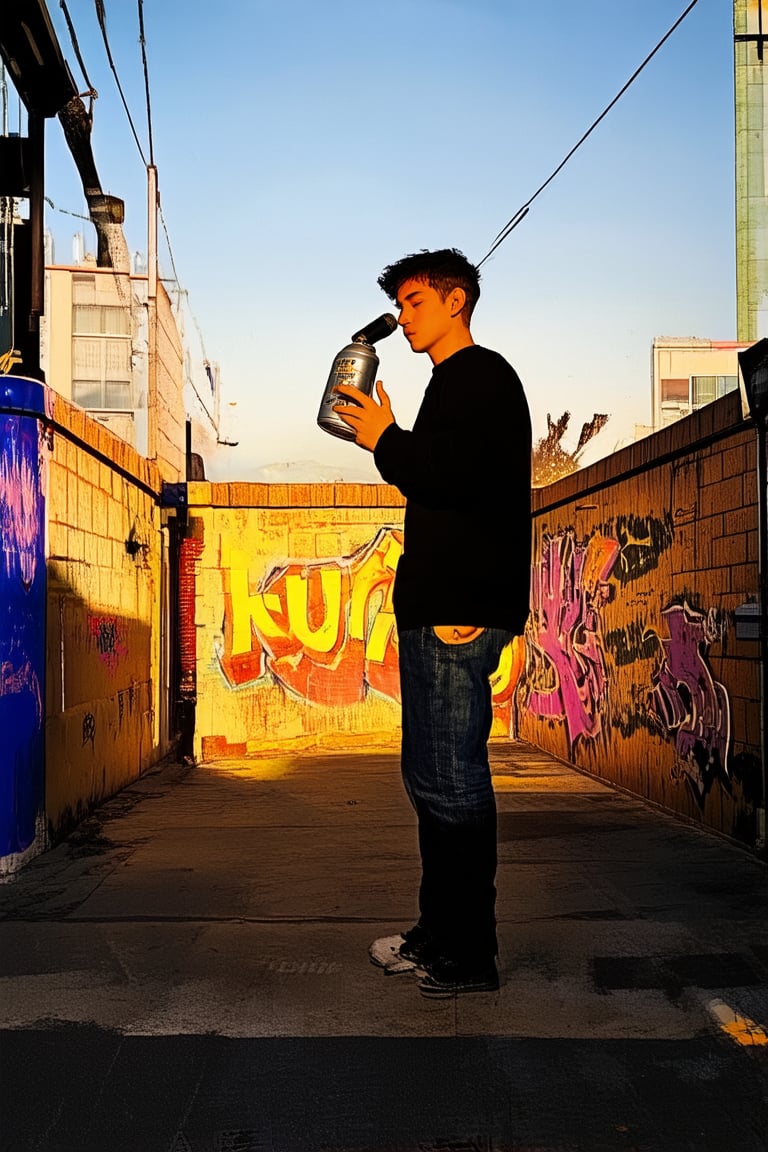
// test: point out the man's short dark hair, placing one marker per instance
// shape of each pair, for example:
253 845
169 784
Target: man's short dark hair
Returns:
443 270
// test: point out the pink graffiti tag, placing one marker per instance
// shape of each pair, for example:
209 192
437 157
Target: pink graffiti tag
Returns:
690 706
568 589
106 633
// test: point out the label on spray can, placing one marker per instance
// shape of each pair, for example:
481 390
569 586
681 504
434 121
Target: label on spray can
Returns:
356 367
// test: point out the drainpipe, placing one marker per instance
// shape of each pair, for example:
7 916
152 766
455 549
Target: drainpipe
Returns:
762 485
753 362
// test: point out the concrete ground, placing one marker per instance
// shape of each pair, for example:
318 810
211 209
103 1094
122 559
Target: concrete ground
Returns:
188 972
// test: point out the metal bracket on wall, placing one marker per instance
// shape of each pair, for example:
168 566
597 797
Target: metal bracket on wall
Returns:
173 495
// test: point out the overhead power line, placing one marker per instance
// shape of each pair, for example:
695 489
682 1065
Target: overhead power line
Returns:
101 16
523 211
143 43
73 37
168 242
102 20
206 362
66 211
203 405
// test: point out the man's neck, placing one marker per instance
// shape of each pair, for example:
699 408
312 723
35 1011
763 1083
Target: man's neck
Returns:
451 344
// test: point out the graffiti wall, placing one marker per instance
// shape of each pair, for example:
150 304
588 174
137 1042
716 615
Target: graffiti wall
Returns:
633 666
304 642
23 475
295 631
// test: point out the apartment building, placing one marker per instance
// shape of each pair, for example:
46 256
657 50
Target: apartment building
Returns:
688 372
95 351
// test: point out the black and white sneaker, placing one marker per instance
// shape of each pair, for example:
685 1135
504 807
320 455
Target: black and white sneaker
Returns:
444 978
404 952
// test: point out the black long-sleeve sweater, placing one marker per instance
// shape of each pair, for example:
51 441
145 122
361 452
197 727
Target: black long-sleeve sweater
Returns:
465 471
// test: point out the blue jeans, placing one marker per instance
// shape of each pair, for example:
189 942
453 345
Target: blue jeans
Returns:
447 713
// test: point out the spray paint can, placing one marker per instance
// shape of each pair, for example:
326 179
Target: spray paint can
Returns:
356 365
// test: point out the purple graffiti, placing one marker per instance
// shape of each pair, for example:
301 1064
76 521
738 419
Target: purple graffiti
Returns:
690 706
569 587
20 505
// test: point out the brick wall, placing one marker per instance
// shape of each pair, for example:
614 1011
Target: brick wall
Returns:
633 669
105 547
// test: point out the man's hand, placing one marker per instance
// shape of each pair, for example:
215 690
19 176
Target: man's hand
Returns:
456 633
365 417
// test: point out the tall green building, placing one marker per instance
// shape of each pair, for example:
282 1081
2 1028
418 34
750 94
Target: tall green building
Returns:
750 22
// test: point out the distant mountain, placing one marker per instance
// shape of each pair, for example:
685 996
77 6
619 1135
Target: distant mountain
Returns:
310 472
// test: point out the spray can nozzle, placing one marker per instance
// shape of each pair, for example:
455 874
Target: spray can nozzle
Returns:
376 330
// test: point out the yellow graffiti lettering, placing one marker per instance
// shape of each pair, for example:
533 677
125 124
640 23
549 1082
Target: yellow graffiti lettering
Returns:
394 552
500 678
510 666
250 608
376 570
262 605
320 639
241 616
383 627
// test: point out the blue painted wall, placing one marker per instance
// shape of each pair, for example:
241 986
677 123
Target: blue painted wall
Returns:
22 613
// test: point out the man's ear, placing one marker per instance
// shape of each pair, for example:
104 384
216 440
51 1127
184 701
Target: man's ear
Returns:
458 299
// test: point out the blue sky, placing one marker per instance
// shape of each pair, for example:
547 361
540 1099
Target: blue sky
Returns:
301 147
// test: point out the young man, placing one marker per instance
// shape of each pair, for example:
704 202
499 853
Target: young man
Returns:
461 593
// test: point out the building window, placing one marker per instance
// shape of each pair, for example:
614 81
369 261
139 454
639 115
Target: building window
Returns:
695 391
675 391
101 356
705 389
